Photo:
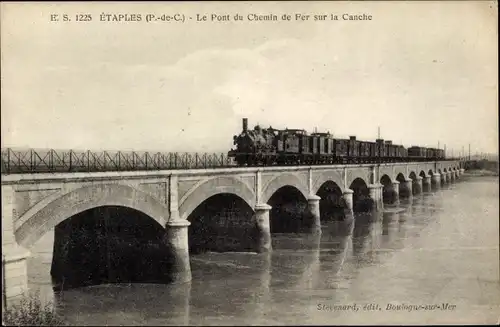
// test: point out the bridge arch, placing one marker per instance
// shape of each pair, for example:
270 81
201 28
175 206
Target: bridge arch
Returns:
386 180
46 214
400 178
405 190
280 181
330 186
214 186
387 190
327 177
361 195
399 173
289 212
223 222
331 205
412 175
361 174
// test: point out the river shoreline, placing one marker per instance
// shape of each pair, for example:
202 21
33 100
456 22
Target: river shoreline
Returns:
481 172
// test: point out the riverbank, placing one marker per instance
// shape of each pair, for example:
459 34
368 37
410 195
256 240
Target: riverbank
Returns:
483 165
481 172
31 311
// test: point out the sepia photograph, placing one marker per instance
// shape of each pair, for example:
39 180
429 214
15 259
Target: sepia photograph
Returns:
249 163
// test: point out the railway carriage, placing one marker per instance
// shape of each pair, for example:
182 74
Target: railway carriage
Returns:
401 153
390 151
431 154
440 154
341 153
365 151
324 150
313 149
305 148
381 149
374 152
353 149
289 152
295 146
417 153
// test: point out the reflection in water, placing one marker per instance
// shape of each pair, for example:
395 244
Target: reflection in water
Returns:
363 226
282 287
333 254
407 208
293 259
117 304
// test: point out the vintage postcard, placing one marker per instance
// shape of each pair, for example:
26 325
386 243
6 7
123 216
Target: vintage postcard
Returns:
250 163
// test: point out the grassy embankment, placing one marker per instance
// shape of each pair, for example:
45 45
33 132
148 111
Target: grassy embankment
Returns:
30 311
483 168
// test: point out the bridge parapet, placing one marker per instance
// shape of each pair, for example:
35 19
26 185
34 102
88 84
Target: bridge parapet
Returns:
53 161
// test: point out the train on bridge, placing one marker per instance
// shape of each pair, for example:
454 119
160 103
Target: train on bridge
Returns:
297 147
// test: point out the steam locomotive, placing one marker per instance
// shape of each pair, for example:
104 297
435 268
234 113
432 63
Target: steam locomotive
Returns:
296 147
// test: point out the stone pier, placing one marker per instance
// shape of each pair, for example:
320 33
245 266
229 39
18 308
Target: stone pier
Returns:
436 180
177 240
313 206
444 178
349 200
406 188
417 188
14 274
376 196
380 194
14 256
427 183
262 220
395 190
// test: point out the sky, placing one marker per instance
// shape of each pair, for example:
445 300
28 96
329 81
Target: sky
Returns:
424 72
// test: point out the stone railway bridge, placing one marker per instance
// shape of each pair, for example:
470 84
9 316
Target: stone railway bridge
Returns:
33 204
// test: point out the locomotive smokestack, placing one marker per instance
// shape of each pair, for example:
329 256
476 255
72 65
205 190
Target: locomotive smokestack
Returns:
245 124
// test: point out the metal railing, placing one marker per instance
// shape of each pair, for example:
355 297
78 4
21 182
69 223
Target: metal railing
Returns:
60 161
55 161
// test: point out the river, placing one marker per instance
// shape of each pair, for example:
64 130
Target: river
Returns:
433 260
